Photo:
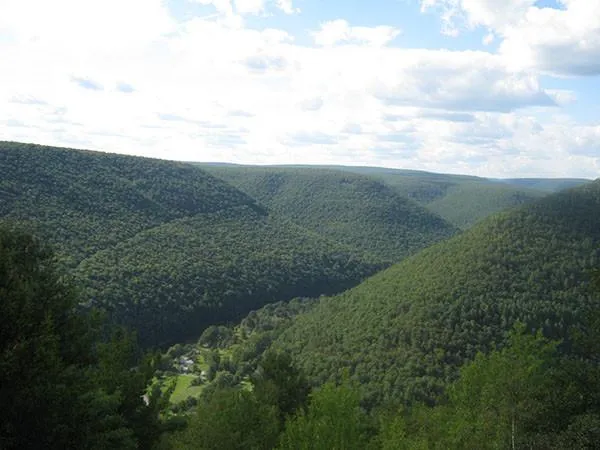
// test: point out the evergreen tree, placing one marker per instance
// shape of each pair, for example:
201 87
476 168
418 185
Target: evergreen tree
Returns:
42 349
230 419
279 383
60 387
333 421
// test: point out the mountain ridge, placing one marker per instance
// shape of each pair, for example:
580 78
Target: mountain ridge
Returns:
409 327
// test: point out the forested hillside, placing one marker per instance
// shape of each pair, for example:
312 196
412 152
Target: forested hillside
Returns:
83 202
464 200
403 332
428 186
164 247
450 348
355 210
460 200
546 184
67 383
172 281
420 186
465 204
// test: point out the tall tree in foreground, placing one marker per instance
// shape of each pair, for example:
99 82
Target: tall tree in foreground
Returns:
42 344
531 394
496 402
333 420
230 419
277 382
60 388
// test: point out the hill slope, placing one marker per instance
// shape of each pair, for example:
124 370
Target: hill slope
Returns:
164 247
420 186
465 204
172 281
403 332
428 186
461 200
82 202
355 210
465 200
546 184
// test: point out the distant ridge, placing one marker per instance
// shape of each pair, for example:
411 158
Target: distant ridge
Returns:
461 200
352 209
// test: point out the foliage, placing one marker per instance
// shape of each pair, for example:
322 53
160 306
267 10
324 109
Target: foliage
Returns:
333 420
496 399
465 204
60 385
165 248
277 382
523 396
547 184
230 419
169 250
82 202
464 200
404 332
171 282
355 210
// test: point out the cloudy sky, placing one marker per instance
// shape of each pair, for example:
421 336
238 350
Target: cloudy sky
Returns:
496 88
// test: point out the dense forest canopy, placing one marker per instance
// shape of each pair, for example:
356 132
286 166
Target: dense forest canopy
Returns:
488 339
464 200
403 332
66 380
83 202
459 199
166 248
172 281
64 386
465 204
352 209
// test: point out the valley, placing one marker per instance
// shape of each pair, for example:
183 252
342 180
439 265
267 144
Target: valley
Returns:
286 295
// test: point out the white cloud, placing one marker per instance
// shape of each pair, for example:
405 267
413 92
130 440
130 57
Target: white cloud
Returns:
215 90
504 145
249 7
287 7
562 97
222 6
492 14
340 32
564 41
458 81
79 27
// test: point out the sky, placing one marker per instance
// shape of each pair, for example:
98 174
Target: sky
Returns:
495 88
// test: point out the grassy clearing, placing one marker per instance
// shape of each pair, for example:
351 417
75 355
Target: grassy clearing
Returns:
183 390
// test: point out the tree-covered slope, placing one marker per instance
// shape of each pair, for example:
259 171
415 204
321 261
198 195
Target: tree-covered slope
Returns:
83 202
423 187
426 187
465 204
546 184
464 200
406 330
164 247
352 209
461 200
172 281
63 383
